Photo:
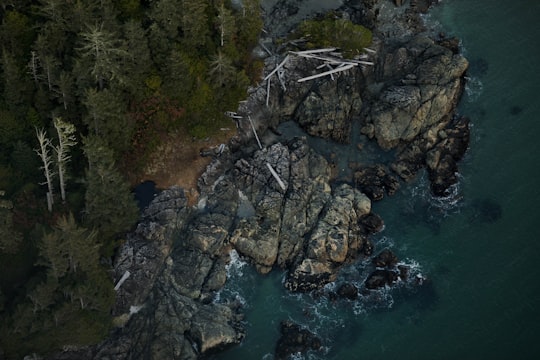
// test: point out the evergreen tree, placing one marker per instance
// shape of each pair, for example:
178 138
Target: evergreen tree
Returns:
225 24
195 24
16 86
221 70
106 53
139 62
24 161
249 24
104 183
107 118
10 239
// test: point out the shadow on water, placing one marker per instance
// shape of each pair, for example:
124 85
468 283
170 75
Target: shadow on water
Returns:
516 110
145 193
478 67
485 211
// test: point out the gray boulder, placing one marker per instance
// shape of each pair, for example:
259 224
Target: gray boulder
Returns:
430 83
336 239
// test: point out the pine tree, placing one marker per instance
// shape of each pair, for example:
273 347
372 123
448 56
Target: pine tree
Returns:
104 183
69 248
10 239
221 70
195 22
249 23
139 62
106 53
107 118
225 24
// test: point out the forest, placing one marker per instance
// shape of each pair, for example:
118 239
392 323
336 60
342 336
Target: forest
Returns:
88 88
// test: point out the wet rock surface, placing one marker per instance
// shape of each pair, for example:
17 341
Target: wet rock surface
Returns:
294 339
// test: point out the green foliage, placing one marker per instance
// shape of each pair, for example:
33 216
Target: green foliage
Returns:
16 33
125 73
24 161
107 118
11 129
335 32
103 183
69 303
10 239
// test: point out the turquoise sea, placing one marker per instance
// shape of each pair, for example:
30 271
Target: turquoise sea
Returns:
480 249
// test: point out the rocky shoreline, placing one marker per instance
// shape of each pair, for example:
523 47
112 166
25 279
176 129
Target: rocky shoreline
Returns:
309 224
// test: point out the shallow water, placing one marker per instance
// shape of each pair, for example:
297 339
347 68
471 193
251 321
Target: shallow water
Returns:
479 250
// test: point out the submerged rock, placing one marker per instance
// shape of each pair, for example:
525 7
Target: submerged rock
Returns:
295 339
348 291
381 278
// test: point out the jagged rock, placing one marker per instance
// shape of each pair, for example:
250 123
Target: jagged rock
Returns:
260 244
371 224
337 238
280 219
295 339
375 180
309 192
348 291
442 159
385 258
381 278
431 85
328 108
145 251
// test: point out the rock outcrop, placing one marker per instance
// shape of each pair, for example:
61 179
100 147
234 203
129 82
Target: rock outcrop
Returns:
429 82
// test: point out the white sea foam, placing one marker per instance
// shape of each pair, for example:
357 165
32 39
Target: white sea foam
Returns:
236 265
473 88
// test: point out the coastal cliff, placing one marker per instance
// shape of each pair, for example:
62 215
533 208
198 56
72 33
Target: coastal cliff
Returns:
279 203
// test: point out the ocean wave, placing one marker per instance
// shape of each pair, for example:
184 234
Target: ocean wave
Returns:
236 265
435 207
473 88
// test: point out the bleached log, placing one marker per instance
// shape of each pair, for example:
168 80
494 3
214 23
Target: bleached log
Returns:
315 51
277 68
281 81
370 50
276 176
255 132
346 67
323 58
267 92
122 280
370 63
233 115
265 48
331 75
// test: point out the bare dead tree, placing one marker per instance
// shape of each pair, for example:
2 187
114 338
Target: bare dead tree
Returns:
66 139
44 154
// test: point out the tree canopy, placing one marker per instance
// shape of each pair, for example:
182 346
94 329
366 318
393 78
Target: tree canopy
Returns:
85 87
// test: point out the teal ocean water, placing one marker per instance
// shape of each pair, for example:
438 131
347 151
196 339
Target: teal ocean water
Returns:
480 249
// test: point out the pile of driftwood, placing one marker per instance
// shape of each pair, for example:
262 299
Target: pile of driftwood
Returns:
330 60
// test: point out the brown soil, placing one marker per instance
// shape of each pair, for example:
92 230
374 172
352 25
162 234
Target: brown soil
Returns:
177 161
